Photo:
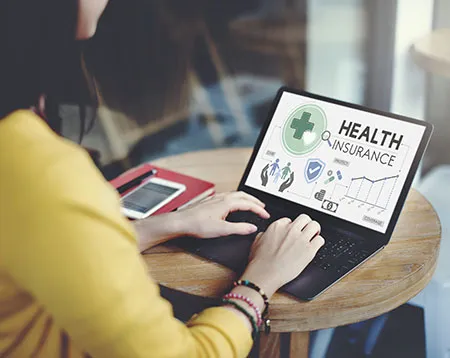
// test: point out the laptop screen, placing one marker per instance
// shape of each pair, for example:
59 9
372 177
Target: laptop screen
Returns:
338 160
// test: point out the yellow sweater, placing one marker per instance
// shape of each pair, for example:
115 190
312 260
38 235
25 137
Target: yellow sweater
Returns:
72 282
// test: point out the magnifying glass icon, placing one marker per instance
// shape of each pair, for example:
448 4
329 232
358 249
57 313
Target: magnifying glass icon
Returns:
326 135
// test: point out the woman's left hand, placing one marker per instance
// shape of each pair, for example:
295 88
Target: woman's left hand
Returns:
207 218
203 220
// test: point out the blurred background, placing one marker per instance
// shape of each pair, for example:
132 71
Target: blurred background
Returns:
177 76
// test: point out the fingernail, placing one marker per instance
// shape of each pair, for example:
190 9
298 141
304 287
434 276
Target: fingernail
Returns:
253 228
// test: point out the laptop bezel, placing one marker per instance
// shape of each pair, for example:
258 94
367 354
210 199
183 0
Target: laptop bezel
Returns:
294 208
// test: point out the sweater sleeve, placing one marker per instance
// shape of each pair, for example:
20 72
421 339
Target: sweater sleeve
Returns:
77 255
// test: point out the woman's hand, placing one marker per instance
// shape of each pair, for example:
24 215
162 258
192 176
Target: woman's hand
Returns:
203 220
207 218
281 253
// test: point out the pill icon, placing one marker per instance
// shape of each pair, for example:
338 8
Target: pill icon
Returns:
329 180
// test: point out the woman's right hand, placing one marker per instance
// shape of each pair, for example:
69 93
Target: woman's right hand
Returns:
282 252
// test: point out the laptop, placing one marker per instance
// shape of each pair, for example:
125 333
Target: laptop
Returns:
348 167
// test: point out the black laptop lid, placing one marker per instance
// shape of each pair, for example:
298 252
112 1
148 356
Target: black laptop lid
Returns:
341 163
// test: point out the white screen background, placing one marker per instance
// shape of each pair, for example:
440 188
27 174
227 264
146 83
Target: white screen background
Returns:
368 201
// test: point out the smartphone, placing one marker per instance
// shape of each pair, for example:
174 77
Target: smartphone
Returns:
149 197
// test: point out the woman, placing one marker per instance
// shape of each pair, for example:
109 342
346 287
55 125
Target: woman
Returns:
72 282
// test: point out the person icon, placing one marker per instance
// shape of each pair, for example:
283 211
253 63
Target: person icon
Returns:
277 176
274 167
286 170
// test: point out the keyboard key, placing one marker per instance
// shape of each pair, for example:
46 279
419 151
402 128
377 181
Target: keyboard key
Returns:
342 269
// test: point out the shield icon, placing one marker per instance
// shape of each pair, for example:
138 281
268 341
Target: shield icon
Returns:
313 169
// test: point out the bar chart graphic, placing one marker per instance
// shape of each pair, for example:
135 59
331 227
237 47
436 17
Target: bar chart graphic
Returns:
373 192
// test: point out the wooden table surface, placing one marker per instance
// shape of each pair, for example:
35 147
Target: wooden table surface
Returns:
383 283
432 52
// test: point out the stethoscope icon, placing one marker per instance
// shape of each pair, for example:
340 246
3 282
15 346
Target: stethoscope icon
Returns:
326 135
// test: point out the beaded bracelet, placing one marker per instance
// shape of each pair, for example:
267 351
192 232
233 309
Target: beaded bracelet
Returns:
246 313
264 297
257 289
248 301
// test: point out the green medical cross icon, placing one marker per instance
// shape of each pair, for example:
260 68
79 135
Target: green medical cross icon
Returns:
302 125
303 128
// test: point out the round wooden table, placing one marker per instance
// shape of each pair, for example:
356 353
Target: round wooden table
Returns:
383 283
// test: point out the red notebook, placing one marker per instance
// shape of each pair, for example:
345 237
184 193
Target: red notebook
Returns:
196 189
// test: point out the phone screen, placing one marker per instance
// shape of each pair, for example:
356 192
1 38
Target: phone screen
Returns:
147 197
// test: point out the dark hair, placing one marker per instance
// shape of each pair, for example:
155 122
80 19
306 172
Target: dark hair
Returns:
39 55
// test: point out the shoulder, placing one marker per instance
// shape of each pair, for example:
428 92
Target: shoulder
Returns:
39 167
49 187
27 144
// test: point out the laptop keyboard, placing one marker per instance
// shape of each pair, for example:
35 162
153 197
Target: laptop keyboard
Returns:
339 254
255 219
